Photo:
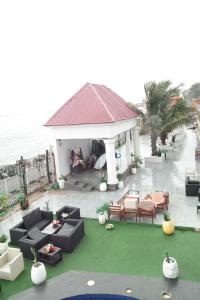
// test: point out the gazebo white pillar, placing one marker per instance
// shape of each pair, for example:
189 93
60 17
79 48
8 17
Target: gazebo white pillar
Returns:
136 141
111 164
57 158
128 147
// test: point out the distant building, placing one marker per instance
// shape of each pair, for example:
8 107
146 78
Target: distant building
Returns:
196 103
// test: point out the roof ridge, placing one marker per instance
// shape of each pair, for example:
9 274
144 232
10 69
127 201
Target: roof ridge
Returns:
95 91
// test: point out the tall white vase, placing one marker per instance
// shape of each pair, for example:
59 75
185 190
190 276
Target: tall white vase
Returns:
102 218
38 273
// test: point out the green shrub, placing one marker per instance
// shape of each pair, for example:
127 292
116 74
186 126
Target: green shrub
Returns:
3 238
3 201
102 208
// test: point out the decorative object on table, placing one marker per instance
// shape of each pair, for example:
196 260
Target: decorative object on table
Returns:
101 211
167 226
103 183
49 248
170 267
61 182
55 223
120 181
109 226
64 215
38 270
23 201
3 243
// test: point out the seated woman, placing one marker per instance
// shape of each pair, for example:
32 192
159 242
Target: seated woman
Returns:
77 158
91 161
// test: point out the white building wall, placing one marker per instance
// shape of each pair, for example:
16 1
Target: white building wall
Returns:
64 148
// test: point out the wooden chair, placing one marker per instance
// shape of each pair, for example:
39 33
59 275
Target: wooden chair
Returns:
116 209
160 199
165 203
131 201
146 209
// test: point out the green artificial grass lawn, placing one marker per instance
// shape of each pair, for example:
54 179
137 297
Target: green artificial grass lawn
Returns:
130 248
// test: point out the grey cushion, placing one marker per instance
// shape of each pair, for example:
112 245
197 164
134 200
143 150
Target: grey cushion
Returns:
32 218
43 223
35 234
66 229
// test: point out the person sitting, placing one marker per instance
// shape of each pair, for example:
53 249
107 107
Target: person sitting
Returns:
91 161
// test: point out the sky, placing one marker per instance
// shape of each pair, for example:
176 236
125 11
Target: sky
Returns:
50 49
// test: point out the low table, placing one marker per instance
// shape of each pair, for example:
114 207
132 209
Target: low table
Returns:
50 258
51 229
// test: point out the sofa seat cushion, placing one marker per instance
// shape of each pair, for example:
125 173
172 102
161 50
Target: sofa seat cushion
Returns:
35 234
32 218
66 229
41 224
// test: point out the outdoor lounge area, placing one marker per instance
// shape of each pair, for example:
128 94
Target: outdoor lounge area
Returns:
107 252
100 251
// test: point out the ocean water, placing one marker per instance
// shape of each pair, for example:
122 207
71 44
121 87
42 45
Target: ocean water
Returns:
24 135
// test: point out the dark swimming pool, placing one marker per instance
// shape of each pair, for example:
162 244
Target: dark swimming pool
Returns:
100 297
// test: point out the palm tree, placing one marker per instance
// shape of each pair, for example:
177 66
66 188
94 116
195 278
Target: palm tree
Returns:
166 116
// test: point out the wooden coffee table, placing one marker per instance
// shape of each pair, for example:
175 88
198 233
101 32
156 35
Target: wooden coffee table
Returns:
50 258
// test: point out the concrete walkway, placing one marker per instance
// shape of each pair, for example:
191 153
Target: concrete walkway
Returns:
144 288
169 175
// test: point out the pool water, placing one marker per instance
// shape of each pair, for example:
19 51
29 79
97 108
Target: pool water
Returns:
100 297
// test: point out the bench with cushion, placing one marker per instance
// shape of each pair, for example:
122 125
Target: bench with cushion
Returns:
36 218
70 234
34 239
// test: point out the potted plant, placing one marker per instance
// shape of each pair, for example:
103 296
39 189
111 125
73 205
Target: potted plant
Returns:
103 183
170 267
133 167
23 201
120 181
3 243
38 271
138 161
168 226
101 211
61 182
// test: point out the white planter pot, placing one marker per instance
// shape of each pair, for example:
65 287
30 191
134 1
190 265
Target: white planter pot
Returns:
102 218
61 183
3 247
133 171
103 187
120 184
170 270
38 274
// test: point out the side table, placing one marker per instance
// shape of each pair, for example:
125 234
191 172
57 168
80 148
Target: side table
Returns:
50 258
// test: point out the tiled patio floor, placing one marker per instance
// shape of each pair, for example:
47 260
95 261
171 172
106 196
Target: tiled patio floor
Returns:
169 175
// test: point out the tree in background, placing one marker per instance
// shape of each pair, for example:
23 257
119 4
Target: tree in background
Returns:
163 116
192 92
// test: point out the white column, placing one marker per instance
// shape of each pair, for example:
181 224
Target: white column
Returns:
111 161
57 161
128 147
136 141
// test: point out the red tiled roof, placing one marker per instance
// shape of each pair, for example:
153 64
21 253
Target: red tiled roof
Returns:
92 104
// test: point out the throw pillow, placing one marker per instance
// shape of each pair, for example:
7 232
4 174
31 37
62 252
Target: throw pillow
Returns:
66 229
35 234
